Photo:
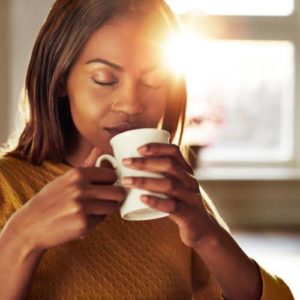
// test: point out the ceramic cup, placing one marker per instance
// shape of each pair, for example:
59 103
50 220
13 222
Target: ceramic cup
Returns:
125 145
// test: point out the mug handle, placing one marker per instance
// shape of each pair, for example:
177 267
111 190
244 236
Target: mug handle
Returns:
112 160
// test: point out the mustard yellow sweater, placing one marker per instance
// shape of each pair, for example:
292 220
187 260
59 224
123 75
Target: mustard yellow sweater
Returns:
118 259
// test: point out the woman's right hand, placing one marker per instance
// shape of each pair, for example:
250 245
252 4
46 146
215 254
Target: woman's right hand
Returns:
67 208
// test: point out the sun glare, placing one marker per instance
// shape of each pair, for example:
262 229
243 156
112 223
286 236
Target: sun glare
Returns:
182 50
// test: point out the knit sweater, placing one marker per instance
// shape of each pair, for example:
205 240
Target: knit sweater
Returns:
118 259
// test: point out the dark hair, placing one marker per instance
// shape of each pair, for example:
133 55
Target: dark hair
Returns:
67 28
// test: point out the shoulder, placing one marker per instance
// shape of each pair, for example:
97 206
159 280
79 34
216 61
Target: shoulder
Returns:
16 168
9 200
22 179
13 169
13 172
8 167
8 162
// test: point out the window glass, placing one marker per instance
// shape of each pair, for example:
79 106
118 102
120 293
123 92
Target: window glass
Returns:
234 7
240 100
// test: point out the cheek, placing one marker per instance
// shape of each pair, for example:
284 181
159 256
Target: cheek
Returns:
88 111
157 102
88 119
82 108
86 101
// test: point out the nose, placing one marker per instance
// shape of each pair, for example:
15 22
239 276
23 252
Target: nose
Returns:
128 100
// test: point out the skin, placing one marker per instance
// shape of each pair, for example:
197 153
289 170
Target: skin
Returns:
134 93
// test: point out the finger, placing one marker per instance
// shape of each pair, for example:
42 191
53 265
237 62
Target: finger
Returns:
168 205
163 165
92 221
100 208
92 175
171 150
105 193
176 209
90 161
164 186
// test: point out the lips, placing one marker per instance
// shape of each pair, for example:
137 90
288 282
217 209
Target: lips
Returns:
119 128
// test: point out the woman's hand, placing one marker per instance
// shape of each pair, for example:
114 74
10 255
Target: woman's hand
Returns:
184 201
237 275
67 208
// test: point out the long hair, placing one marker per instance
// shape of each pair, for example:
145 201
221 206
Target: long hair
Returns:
69 25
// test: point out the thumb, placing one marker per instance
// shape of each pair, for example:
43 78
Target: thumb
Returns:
91 159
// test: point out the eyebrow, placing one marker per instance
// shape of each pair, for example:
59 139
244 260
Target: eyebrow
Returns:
115 66
105 62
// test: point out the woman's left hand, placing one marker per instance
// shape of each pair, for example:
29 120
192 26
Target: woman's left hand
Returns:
235 272
184 201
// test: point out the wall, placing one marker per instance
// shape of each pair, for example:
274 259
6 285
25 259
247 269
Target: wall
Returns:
19 24
257 204
4 70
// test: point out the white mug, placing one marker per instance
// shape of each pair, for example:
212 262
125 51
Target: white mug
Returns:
125 145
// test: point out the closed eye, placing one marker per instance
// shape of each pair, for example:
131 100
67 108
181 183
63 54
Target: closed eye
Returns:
104 83
154 79
152 86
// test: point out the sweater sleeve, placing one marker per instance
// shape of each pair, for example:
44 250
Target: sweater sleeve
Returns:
274 288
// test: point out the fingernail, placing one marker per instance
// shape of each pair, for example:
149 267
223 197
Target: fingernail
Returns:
127 181
127 161
143 149
145 198
83 164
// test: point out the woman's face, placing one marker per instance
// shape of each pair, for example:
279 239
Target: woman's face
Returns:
116 84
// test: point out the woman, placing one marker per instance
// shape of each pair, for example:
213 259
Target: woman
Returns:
97 70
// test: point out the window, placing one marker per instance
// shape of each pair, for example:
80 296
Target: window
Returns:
235 7
242 79
249 85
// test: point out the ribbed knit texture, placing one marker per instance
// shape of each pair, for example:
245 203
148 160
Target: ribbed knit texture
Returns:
119 259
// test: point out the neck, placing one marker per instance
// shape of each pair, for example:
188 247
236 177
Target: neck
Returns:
77 151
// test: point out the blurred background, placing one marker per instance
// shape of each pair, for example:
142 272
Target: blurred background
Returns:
242 63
